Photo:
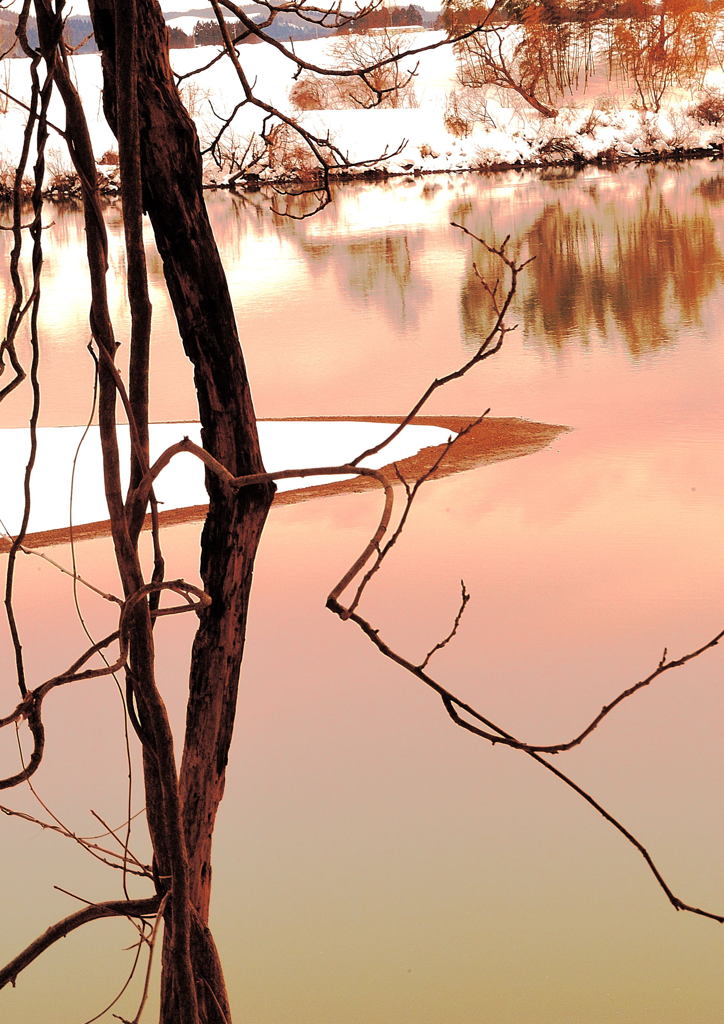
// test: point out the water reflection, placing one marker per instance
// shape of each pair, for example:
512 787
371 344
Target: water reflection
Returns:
374 265
712 189
583 561
627 261
606 270
630 255
376 271
550 910
646 273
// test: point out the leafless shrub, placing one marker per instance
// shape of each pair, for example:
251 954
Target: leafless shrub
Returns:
109 158
193 97
311 92
609 103
610 155
388 85
238 157
288 157
64 183
56 163
7 181
559 148
709 107
464 108
385 85
591 122
61 177
650 131
681 133
457 125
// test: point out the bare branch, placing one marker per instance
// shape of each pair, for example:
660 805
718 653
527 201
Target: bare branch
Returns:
29 708
395 58
24 106
67 572
464 598
127 982
487 348
383 551
460 712
102 853
151 949
112 908
565 745
495 734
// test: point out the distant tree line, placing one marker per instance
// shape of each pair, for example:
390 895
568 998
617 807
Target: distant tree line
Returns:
78 35
208 33
178 40
7 36
557 12
388 17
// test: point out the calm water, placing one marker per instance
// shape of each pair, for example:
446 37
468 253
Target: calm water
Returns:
375 865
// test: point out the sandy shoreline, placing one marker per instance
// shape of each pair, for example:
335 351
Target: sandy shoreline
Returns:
491 440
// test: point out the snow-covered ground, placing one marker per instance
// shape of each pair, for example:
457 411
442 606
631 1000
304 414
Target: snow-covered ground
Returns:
286 444
516 135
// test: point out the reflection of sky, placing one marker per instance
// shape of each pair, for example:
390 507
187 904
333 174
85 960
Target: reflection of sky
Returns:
367 319
371 861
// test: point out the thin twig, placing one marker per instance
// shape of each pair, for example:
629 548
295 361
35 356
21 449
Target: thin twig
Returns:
464 598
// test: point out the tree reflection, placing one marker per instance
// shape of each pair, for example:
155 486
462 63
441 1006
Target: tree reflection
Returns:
712 189
377 269
608 264
374 266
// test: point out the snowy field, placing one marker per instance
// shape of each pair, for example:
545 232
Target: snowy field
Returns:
60 496
517 133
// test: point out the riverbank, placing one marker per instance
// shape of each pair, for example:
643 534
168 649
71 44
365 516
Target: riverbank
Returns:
600 123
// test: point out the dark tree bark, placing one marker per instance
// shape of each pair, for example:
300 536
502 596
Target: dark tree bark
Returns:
161 166
162 790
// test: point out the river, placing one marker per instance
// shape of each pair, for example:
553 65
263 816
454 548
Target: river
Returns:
373 863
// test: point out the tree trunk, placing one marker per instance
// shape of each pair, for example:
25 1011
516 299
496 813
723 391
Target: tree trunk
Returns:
163 801
543 109
172 195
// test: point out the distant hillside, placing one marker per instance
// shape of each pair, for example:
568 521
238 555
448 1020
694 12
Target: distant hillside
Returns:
287 26
79 30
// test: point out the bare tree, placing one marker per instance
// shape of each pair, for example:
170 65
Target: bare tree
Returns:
543 50
387 85
181 801
160 167
161 174
660 46
535 50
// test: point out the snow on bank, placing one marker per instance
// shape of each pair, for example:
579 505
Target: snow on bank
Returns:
598 123
286 444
